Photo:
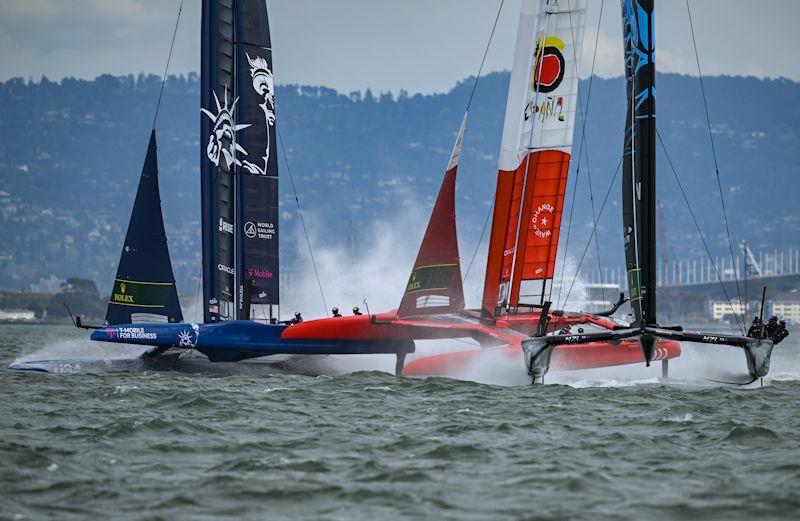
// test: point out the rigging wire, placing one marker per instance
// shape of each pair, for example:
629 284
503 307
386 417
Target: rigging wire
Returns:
584 116
594 229
302 220
699 231
485 53
469 103
166 67
716 163
480 241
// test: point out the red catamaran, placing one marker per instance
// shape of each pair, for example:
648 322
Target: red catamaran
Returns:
531 183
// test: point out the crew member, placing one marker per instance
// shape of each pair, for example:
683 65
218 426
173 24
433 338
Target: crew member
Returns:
566 330
757 329
335 312
356 311
297 318
780 333
772 326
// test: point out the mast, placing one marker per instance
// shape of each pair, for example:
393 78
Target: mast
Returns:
217 157
239 184
535 150
639 208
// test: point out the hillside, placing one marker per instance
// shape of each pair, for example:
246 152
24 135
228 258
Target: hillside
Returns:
71 152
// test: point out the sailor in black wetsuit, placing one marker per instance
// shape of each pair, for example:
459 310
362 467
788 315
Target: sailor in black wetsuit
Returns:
757 329
780 333
336 313
772 326
356 311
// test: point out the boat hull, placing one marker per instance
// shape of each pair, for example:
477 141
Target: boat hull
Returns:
564 358
242 339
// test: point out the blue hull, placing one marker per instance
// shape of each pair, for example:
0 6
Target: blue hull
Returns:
240 339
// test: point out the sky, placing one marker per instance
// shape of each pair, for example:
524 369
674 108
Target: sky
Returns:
386 45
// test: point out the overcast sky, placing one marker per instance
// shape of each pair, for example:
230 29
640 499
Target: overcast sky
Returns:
417 45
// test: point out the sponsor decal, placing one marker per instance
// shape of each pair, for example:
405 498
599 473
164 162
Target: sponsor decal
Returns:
259 273
661 353
189 337
222 142
131 333
549 108
549 65
430 278
259 230
225 226
121 296
226 269
508 251
264 86
542 221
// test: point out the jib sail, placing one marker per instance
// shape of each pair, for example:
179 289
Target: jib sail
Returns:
639 162
238 157
434 286
535 151
144 288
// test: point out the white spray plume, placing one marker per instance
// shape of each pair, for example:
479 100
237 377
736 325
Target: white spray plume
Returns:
377 270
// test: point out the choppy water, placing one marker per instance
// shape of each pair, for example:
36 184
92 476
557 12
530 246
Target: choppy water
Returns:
611 444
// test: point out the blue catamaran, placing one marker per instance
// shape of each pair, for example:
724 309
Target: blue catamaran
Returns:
240 221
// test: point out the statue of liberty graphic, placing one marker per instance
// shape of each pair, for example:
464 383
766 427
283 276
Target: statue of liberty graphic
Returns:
264 85
223 140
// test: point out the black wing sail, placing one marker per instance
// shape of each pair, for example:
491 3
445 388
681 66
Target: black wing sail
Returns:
217 159
144 288
239 160
258 185
639 161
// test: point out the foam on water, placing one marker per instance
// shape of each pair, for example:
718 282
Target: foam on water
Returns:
79 349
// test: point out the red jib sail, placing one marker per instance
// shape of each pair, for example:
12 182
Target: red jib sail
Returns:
434 286
535 150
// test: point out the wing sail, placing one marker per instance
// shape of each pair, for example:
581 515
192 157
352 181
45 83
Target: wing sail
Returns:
218 156
535 150
239 164
257 198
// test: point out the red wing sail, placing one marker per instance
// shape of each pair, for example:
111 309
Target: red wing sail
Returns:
535 150
537 242
434 286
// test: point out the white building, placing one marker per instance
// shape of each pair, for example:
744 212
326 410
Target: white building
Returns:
789 311
16 315
721 309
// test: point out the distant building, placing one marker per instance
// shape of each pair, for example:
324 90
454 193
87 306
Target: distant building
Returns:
721 310
600 297
16 315
789 311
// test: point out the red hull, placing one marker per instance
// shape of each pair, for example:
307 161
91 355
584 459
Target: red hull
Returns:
500 340
565 358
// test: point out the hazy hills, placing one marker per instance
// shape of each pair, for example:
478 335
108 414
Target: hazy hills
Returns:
70 155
